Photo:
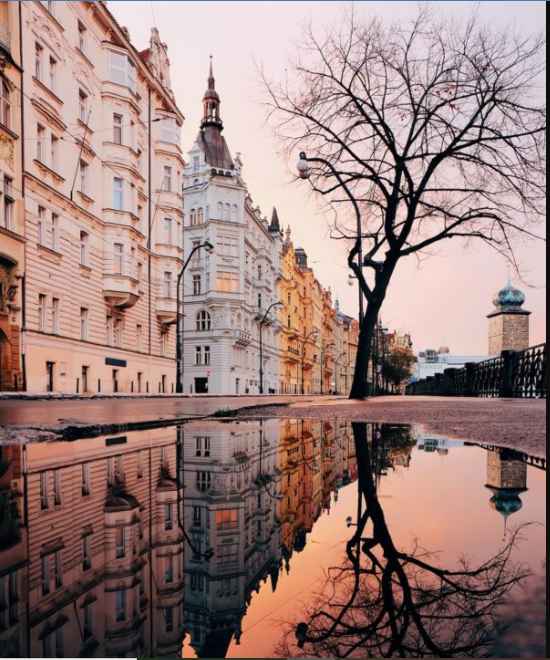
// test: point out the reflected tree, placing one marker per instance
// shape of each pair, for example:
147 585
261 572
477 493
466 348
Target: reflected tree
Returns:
384 602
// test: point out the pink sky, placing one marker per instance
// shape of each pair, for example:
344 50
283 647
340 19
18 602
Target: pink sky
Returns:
442 302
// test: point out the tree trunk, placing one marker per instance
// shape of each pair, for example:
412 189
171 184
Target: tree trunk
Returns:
359 387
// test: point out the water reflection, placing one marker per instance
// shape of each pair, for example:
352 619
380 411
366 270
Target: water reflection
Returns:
124 546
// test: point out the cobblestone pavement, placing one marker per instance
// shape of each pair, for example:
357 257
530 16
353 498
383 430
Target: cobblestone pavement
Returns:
516 423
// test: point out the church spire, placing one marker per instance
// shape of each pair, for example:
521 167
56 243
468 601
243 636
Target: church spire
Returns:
211 103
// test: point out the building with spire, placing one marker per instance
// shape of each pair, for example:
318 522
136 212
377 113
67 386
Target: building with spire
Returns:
227 293
508 321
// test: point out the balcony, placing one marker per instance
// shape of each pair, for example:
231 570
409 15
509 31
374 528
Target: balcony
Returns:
166 310
242 338
120 290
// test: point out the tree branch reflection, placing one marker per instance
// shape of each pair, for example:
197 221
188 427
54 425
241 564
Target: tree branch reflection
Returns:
385 602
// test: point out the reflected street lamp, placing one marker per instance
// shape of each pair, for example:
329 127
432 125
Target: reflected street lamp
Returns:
209 248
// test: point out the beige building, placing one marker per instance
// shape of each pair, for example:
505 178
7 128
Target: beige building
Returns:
103 223
12 246
346 337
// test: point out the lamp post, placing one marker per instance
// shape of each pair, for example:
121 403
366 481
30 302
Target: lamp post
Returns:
262 323
337 362
179 325
313 333
323 356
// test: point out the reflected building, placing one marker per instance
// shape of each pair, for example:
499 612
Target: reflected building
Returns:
95 565
506 479
438 444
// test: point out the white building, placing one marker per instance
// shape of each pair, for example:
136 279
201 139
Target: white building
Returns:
103 205
431 362
227 292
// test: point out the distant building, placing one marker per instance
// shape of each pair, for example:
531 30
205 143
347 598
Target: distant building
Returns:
508 322
431 362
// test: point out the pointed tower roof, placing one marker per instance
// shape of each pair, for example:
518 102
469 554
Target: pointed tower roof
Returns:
274 225
215 148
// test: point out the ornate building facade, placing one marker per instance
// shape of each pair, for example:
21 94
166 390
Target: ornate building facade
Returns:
102 179
12 230
227 293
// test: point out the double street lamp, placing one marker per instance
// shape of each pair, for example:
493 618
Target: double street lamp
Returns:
179 321
263 321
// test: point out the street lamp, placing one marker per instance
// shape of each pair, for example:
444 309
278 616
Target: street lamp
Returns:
179 325
313 334
262 323
323 356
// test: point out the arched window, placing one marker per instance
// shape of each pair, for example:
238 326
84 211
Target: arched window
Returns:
4 103
203 321
227 215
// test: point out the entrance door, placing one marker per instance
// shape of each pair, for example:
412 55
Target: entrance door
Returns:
84 379
115 380
49 376
201 385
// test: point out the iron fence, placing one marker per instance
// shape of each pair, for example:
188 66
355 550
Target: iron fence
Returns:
512 374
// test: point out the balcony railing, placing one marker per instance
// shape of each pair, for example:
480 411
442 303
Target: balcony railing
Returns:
242 338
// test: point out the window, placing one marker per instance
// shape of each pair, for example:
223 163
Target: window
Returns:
40 225
53 66
109 329
169 130
164 344
118 198
86 554
196 285
167 180
288 321
139 336
118 257
120 543
58 570
202 446
200 217
122 70
167 284
196 163
83 177
8 203
44 498
169 570
207 355
5 107
139 271
259 301
55 231
203 321
55 316
117 129
41 312
203 481
193 217
197 517
117 332
82 37
45 578
87 631
54 142
168 230
169 619
226 519
259 271
85 479
40 136
168 520
198 355
57 487
120 605
83 323
83 248
38 51
83 106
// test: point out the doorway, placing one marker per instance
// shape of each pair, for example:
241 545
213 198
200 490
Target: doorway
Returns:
49 376
84 379
201 385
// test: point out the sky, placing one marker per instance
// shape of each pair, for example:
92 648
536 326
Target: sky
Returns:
441 302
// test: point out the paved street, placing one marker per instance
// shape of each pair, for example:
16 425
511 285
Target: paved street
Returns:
518 423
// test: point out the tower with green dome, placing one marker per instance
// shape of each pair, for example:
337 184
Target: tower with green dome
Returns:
508 321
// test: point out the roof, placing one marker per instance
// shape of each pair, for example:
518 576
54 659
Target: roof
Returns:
214 146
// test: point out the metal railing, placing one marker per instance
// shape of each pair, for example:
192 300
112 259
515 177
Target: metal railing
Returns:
519 374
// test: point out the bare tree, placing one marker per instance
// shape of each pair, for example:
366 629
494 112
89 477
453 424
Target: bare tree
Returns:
420 132
384 602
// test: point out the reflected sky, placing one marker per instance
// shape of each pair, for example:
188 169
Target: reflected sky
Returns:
215 539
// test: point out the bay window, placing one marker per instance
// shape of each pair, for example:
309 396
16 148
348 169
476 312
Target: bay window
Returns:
122 70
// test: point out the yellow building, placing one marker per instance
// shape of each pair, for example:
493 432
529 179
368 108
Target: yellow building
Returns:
11 202
346 336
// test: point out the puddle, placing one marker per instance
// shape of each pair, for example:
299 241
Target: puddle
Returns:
271 538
